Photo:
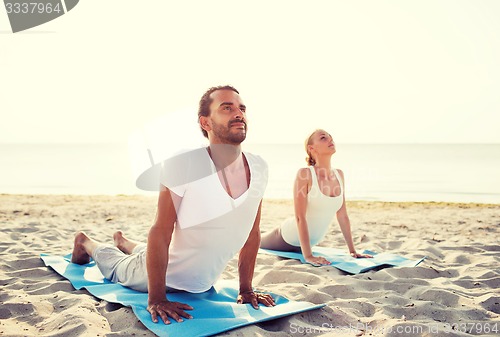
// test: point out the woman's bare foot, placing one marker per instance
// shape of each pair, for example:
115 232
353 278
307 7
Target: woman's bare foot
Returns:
124 244
80 255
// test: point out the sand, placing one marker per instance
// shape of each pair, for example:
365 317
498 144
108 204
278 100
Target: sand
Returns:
454 291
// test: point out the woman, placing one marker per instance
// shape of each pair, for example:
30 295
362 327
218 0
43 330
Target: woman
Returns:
318 197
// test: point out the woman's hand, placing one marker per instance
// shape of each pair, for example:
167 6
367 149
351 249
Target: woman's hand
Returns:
255 298
166 309
358 255
317 260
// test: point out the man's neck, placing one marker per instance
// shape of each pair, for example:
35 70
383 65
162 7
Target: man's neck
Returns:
224 155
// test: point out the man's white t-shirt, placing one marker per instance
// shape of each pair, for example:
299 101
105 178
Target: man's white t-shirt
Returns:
211 226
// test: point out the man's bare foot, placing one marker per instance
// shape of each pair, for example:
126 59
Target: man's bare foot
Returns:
123 244
80 255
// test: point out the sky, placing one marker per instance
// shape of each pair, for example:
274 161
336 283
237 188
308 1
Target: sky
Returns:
369 71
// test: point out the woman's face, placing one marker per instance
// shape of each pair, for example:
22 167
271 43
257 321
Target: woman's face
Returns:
322 143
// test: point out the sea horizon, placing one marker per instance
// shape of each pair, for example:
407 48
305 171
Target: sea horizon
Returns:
374 172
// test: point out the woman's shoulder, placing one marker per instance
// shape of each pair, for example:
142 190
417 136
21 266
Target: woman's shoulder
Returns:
340 173
305 170
304 173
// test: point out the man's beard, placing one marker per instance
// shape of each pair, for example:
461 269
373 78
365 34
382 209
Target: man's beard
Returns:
224 133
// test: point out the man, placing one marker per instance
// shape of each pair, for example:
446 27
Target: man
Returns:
203 218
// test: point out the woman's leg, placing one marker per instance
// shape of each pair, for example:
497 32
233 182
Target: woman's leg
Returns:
274 241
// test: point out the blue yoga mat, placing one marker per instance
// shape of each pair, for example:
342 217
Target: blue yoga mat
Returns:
340 259
215 310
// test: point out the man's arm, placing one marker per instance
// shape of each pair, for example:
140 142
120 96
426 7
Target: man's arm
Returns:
159 238
246 266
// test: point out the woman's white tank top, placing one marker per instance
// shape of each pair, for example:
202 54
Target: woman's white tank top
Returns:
321 210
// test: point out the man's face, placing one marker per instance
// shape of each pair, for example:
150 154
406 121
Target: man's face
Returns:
227 118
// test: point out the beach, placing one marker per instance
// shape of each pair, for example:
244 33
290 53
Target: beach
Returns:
453 292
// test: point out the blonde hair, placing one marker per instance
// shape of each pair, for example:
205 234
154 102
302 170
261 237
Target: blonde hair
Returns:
309 159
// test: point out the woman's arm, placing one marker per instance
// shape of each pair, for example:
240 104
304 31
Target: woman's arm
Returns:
345 223
301 189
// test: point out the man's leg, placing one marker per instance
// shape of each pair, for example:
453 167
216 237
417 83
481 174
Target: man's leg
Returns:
83 248
114 264
122 243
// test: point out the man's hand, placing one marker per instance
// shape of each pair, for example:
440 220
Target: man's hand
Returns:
166 309
317 260
255 298
358 255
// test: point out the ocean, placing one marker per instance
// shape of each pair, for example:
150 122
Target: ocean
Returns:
379 172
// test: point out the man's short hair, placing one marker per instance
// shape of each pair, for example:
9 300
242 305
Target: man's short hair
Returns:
206 100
